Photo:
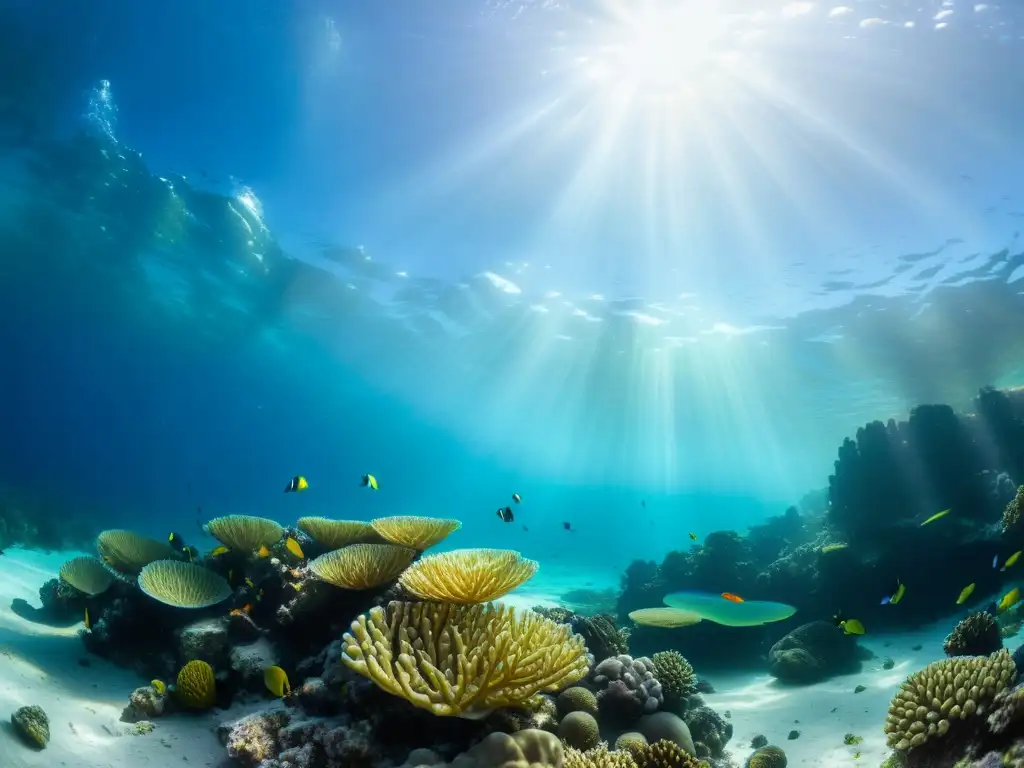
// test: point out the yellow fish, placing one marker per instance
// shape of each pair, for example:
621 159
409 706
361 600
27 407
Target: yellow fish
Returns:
1009 600
693 536
88 624
249 584
296 484
218 551
965 593
852 627
293 546
369 481
159 686
1011 560
295 586
276 681
263 551
936 516
833 548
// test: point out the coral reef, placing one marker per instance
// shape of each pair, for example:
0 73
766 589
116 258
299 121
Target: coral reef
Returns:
767 757
579 730
976 635
414 532
709 729
196 685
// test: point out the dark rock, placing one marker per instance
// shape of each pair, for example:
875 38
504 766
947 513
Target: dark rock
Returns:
813 652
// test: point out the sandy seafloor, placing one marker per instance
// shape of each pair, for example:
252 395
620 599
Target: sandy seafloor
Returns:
41 665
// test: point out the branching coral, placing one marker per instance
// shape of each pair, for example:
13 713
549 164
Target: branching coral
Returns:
599 757
455 660
930 700
245 533
467 576
183 585
417 533
675 674
976 635
362 566
335 534
86 574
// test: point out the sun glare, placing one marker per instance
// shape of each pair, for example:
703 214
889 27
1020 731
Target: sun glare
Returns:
658 52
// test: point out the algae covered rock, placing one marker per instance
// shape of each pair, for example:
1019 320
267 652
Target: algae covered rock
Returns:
145 703
32 724
813 652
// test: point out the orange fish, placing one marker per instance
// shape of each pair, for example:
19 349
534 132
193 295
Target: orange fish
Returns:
732 598
247 608
263 551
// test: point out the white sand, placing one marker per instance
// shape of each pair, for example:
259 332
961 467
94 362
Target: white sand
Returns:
39 665
760 705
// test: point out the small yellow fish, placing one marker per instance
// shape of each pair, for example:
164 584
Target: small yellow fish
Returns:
936 516
901 589
965 593
833 548
369 481
296 586
1011 560
293 546
218 551
276 681
159 686
249 584
1009 600
263 551
852 627
88 624
693 536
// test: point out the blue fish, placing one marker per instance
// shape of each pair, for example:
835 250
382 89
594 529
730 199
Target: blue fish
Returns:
885 600
995 561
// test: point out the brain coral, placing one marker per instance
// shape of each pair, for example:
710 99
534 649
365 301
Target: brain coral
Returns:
128 551
976 635
675 674
196 686
245 533
631 742
32 724
456 660
86 574
579 730
576 699
768 757
930 700
335 534
529 748
417 533
467 576
362 566
183 585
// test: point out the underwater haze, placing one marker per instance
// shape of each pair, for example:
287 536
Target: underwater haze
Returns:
645 264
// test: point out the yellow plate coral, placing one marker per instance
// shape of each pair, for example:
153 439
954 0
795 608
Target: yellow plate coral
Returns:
362 566
335 534
468 576
418 533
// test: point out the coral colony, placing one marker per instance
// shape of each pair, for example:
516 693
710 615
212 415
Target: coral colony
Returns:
368 652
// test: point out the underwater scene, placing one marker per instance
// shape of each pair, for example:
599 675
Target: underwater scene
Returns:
511 384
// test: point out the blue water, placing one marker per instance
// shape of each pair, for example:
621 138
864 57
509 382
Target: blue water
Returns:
245 242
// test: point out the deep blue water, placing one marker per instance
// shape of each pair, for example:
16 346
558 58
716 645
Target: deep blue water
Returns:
356 241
